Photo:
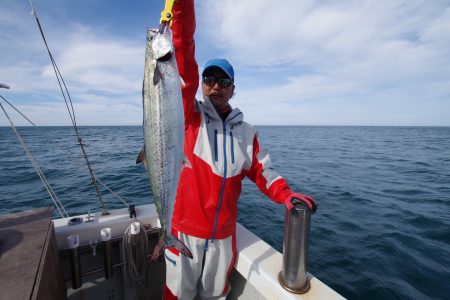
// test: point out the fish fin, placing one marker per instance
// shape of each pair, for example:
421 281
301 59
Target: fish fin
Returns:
183 84
181 247
186 162
141 158
157 75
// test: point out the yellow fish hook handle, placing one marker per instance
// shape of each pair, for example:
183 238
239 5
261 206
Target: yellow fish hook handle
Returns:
166 14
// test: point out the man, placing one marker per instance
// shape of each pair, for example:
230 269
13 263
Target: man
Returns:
222 150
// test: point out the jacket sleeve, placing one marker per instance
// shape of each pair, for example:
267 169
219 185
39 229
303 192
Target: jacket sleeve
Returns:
265 177
183 28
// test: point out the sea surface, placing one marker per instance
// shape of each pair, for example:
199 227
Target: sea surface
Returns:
382 230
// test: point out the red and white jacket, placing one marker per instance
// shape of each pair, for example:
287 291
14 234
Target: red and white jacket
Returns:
221 153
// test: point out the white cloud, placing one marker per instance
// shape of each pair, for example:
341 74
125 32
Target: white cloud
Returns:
103 73
265 33
363 60
344 55
100 64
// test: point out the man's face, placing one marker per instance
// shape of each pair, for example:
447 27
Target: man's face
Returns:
218 94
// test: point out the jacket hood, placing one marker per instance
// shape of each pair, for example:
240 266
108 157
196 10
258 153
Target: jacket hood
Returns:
236 116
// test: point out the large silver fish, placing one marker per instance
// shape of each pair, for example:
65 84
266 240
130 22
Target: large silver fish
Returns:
163 128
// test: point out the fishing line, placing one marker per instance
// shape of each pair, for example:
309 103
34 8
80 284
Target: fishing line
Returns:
71 110
73 158
56 69
41 175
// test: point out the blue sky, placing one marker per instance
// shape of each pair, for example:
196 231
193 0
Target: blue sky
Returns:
297 62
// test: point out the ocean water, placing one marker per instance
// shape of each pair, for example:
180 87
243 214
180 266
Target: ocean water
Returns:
382 230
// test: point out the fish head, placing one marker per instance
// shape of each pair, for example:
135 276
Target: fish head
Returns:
162 45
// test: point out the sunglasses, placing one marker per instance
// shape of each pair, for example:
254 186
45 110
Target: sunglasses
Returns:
211 81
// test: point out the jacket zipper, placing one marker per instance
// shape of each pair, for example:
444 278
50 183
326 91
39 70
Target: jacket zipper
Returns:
216 157
224 179
222 189
232 147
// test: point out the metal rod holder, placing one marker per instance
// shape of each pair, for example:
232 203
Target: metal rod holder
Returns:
107 259
105 234
293 276
73 241
75 268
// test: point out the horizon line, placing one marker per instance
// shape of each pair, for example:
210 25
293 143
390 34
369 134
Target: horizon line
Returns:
271 125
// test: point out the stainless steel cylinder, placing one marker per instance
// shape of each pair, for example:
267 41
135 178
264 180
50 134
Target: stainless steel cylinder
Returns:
75 268
293 275
107 259
72 242
105 234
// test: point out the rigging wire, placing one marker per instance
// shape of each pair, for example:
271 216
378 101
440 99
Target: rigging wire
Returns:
74 160
17 110
67 100
41 175
112 192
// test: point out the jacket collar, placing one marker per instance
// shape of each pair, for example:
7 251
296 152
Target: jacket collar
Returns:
233 118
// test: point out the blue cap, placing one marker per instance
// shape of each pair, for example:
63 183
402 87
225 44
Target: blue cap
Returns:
222 64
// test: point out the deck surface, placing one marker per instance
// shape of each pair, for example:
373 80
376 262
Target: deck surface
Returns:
23 238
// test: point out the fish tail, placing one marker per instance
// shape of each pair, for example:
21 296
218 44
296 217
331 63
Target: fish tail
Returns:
181 247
